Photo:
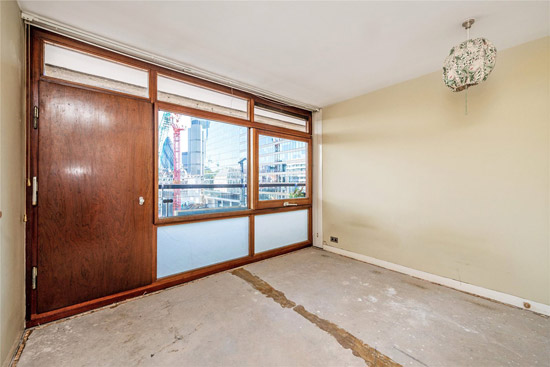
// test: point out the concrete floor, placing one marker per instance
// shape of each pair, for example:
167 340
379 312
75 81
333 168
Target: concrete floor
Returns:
351 311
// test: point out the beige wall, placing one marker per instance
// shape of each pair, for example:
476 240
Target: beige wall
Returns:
12 287
410 179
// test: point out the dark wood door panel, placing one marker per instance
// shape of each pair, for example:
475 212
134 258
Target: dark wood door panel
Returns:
95 159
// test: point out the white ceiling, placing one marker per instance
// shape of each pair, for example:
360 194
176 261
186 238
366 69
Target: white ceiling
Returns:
315 52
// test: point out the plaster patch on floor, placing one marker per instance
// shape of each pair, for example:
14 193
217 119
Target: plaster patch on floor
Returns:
371 356
391 292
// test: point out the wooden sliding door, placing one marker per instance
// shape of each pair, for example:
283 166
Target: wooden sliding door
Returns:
94 202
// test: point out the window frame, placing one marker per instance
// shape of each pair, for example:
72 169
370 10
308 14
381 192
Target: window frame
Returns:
172 108
206 85
40 37
179 76
98 56
34 71
298 203
284 111
93 52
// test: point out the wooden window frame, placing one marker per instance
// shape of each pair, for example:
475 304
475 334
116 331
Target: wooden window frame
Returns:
34 73
46 37
168 107
309 240
208 86
277 109
280 203
95 55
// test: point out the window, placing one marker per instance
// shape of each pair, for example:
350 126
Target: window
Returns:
283 171
189 95
202 166
189 246
280 229
270 116
82 68
229 171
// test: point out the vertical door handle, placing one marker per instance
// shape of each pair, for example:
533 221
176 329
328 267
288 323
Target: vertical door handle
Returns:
141 200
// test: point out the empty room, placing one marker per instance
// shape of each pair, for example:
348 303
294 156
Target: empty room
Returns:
274 183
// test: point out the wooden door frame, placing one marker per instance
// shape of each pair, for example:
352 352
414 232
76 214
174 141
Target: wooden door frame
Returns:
34 62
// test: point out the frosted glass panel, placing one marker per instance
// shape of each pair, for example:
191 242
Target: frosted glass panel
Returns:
280 229
190 246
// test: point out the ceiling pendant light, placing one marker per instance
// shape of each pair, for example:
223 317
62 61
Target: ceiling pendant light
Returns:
470 62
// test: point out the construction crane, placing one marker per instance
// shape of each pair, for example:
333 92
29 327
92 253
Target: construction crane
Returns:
172 121
177 128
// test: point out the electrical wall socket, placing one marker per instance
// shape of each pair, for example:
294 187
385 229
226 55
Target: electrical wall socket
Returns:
333 239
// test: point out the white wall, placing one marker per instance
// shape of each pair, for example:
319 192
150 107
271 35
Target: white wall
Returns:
410 179
12 168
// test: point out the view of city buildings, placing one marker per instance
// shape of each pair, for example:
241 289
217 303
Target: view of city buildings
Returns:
203 166
283 165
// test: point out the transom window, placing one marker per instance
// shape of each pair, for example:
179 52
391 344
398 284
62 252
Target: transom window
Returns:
189 95
82 68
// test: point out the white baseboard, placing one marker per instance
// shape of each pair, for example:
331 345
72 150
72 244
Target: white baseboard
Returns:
448 282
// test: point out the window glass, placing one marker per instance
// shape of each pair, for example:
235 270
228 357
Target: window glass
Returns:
189 95
189 246
283 168
202 165
276 118
280 229
79 67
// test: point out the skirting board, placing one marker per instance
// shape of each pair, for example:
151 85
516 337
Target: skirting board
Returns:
537 307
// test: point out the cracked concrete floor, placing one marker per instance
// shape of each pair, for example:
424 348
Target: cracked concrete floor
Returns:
222 320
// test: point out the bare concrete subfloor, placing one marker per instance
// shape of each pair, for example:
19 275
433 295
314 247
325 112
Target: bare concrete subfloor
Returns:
307 308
